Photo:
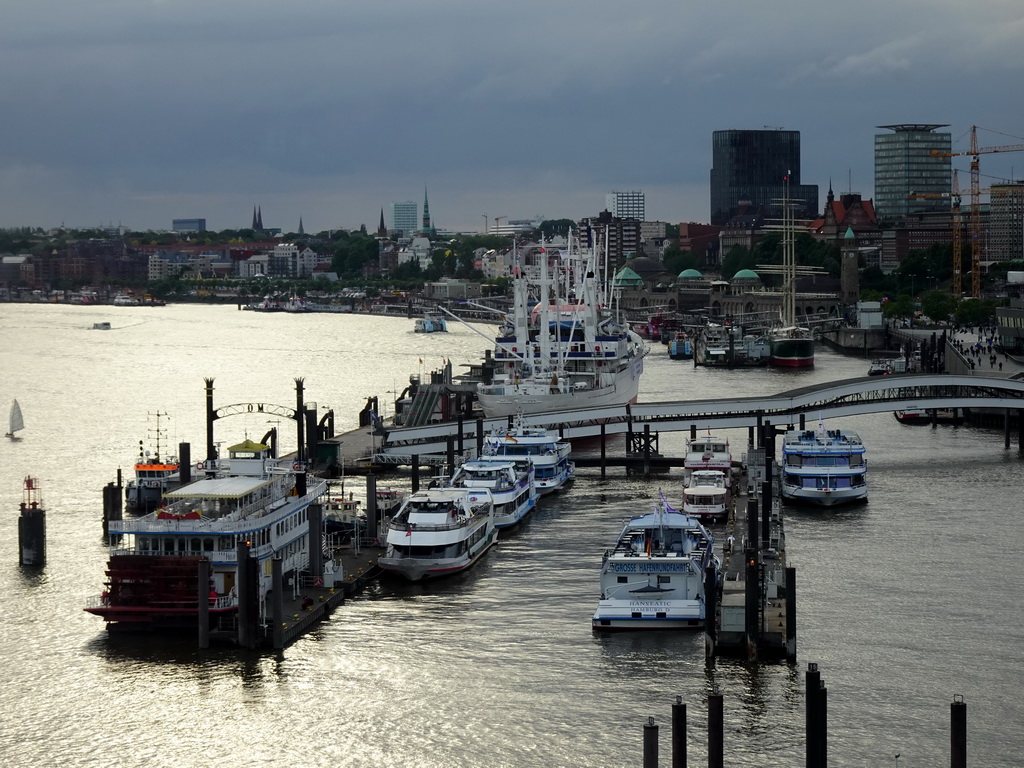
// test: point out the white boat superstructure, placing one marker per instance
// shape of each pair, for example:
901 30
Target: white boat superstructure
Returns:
249 499
438 532
707 494
708 452
512 486
654 577
565 352
824 467
431 322
537 447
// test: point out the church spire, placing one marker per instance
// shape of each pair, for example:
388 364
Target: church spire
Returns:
426 211
301 230
382 230
259 219
254 219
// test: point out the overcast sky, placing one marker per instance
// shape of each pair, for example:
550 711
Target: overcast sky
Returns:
140 111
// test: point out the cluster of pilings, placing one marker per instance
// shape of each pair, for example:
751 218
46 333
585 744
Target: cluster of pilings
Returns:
816 729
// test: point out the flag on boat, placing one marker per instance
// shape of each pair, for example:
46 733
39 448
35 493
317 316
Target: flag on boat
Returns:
649 542
408 531
512 439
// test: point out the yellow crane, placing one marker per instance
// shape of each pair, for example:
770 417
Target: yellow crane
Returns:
974 151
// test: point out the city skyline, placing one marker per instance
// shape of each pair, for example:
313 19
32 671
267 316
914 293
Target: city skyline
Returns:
138 114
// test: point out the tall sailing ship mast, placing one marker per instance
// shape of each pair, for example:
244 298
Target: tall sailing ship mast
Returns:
791 346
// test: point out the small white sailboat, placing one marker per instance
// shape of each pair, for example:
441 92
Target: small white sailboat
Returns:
16 423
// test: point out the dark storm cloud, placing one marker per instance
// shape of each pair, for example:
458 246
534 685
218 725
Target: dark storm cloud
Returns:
139 112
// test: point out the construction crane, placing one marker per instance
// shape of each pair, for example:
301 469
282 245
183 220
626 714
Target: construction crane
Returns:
974 151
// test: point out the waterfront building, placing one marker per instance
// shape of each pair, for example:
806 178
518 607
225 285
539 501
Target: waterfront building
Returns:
750 170
905 166
626 205
404 218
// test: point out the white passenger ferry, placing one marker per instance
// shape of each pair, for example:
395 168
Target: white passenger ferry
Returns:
824 467
707 494
512 486
438 532
654 577
549 454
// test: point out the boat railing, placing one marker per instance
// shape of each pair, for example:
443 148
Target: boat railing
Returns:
219 603
453 525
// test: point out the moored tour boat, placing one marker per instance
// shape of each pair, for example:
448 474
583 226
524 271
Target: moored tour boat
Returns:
707 494
511 485
439 532
919 416
153 476
825 467
654 577
537 447
249 500
708 452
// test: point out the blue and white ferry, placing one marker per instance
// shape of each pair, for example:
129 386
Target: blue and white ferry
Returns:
512 486
654 576
825 467
543 449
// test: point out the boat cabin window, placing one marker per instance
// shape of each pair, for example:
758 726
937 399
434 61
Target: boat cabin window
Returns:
664 579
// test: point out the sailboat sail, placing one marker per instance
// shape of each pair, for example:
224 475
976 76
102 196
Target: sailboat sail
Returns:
17 422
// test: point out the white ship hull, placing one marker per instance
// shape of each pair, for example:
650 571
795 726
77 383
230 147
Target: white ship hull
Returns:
825 497
520 398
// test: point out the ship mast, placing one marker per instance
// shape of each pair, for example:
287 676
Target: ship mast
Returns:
788 261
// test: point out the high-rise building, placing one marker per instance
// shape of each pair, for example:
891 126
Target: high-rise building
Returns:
909 179
750 171
1006 222
404 217
626 205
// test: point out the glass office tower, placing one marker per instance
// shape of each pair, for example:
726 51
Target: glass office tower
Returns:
905 166
749 169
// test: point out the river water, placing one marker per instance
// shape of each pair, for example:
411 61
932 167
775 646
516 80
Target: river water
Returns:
903 602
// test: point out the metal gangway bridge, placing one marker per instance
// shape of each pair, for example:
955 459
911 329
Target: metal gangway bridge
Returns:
850 397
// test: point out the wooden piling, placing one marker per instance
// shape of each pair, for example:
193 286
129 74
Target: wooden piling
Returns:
650 744
604 451
314 519
277 600
716 740
679 733
242 580
958 733
203 589
415 461
647 450
371 505
790 613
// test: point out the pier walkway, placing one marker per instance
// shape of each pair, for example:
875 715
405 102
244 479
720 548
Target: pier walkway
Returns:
850 397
